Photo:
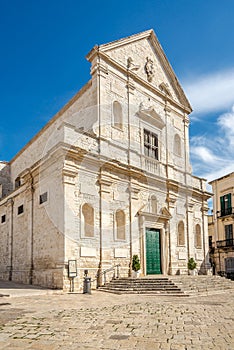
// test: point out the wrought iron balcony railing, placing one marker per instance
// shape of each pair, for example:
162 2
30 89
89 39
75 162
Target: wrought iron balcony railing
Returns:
225 212
225 243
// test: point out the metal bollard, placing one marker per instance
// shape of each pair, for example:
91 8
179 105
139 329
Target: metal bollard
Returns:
87 283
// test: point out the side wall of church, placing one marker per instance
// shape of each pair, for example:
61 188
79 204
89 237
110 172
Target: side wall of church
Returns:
5 179
32 239
42 223
52 134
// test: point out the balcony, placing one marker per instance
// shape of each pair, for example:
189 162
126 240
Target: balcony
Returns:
225 212
153 166
225 243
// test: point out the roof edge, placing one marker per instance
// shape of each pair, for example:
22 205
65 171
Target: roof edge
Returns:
148 34
221 178
112 44
55 117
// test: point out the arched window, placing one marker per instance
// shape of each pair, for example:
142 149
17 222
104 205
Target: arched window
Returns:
120 224
17 182
88 214
177 145
198 240
181 238
153 203
118 115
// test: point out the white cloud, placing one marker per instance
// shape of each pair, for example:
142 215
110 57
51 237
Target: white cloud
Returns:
205 155
226 123
213 92
212 155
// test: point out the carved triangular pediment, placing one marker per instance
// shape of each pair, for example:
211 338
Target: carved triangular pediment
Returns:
142 55
150 116
166 213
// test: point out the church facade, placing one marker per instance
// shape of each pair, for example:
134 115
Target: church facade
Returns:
108 177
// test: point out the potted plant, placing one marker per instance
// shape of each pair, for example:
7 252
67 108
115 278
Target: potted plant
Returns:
192 266
136 266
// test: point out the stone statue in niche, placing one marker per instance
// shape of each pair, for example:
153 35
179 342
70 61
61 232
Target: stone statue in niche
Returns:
149 69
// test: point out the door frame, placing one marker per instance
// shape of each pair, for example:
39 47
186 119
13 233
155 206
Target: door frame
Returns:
160 222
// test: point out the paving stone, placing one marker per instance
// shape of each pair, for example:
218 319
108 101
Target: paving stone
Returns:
119 322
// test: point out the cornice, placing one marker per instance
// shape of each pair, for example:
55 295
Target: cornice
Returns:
120 42
150 35
164 216
142 82
54 118
152 116
169 69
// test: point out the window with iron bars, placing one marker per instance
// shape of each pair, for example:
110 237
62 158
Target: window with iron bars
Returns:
150 144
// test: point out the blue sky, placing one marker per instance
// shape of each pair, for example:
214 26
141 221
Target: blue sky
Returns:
42 64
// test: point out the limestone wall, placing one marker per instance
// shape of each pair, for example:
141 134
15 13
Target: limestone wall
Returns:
32 239
90 160
5 179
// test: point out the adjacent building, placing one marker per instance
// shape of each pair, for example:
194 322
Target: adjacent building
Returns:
108 177
221 223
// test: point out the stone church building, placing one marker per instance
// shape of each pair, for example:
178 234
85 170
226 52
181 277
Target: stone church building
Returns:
107 177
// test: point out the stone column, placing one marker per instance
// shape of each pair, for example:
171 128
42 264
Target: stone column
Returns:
142 243
162 231
166 247
207 265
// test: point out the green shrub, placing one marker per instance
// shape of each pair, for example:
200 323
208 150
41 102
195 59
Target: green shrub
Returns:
192 264
136 263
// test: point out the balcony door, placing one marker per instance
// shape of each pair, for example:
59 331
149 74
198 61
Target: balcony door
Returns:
226 204
229 235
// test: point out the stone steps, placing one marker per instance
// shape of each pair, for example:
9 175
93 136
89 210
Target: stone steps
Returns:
202 284
162 286
171 285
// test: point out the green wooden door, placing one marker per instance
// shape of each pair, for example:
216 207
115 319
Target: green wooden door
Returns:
153 256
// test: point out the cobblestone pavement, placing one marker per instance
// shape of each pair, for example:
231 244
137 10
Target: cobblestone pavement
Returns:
108 321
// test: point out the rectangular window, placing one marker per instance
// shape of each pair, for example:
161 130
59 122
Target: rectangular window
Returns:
43 198
228 234
20 209
3 219
226 204
150 144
